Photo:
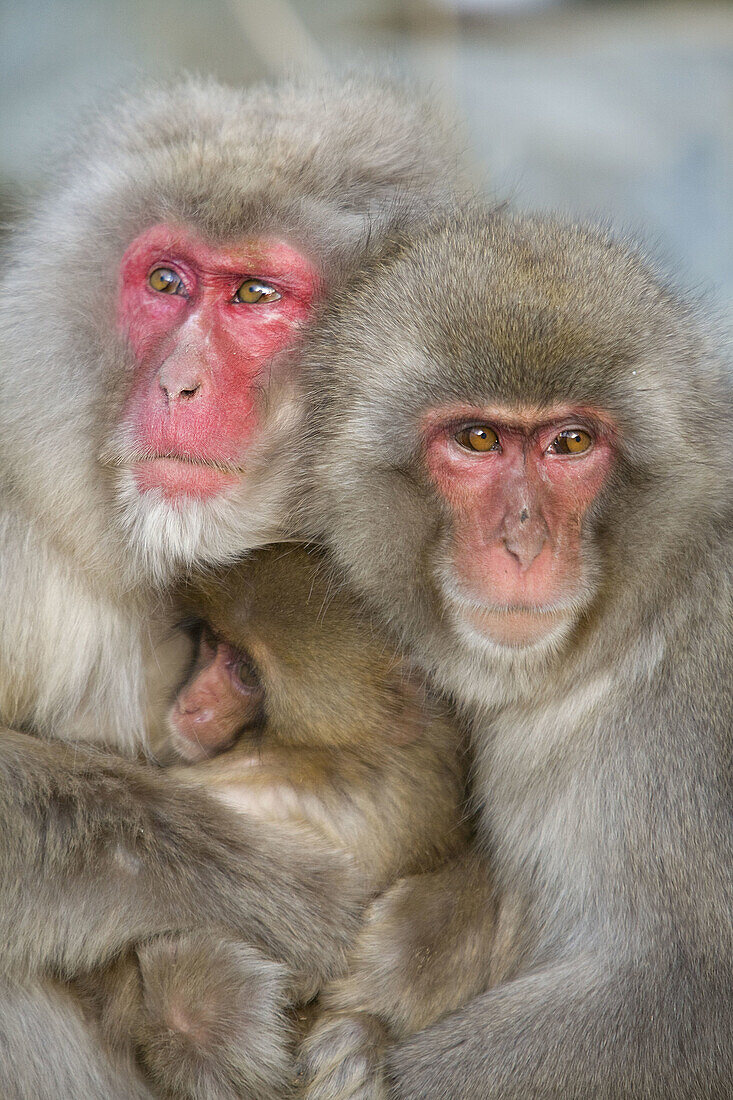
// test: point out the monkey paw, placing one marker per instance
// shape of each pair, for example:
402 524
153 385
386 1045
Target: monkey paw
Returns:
214 1019
341 1059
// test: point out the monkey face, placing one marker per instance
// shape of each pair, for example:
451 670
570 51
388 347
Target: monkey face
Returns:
517 487
194 440
203 323
222 697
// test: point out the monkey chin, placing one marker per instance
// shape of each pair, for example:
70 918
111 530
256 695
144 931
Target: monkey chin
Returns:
168 536
517 628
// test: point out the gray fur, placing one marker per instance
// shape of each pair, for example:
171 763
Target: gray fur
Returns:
351 754
50 1051
603 759
98 853
325 166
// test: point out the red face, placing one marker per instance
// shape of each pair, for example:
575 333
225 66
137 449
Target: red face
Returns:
518 484
223 697
203 323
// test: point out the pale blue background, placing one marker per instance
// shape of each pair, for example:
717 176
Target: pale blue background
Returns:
620 111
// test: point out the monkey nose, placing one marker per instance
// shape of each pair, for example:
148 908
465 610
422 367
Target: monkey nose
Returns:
524 536
190 707
180 381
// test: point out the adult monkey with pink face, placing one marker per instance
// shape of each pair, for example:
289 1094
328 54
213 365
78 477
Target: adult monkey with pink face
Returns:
535 487
188 243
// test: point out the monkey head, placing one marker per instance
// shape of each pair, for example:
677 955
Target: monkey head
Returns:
500 413
285 654
193 235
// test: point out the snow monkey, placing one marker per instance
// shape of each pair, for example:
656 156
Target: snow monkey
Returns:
190 237
335 742
522 456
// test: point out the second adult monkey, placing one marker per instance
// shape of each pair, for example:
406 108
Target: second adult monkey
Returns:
535 487
338 745
144 305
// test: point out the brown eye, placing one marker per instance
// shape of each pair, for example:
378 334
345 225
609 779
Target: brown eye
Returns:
246 673
479 437
165 281
571 442
252 292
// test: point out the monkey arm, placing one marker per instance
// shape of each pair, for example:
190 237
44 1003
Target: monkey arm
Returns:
427 947
98 852
583 1027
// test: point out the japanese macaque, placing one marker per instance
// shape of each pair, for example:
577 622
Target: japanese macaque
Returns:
521 454
337 744
333 736
190 240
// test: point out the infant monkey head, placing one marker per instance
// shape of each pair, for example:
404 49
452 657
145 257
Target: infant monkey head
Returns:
285 654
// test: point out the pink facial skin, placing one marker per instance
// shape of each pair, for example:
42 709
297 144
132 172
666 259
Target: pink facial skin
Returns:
216 704
191 410
518 512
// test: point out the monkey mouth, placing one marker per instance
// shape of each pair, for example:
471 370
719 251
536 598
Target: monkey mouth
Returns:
512 625
184 477
223 467
177 475
136 457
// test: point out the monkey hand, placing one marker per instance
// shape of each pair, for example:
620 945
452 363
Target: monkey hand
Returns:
342 1057
213 1019
425 948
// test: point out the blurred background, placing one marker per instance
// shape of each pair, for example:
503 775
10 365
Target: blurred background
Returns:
618 110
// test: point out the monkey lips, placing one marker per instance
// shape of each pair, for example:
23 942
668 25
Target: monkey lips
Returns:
515 626
178 477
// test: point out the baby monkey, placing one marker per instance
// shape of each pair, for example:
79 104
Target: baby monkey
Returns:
298 711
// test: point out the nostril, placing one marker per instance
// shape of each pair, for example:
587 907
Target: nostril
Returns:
180 379
187 707
184 393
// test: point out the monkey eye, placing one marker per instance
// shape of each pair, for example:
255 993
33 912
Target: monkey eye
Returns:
478 437
571 442
252 292
165 281
245 672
